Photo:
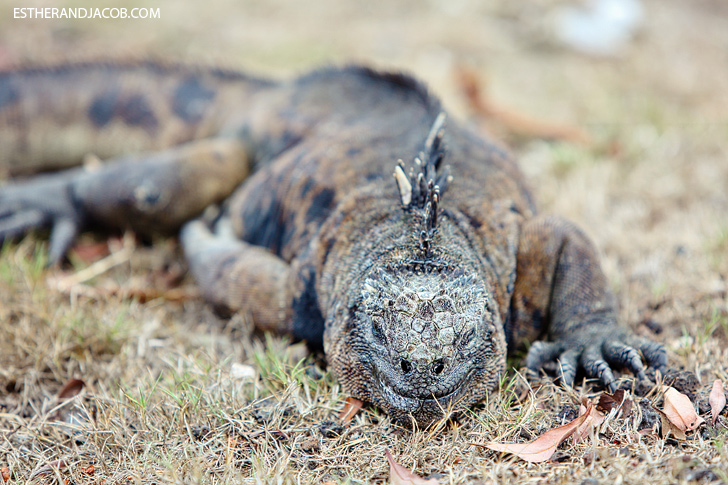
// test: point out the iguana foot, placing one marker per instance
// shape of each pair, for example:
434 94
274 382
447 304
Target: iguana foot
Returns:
597 355
44 201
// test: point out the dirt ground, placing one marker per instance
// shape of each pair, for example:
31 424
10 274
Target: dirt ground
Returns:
168 397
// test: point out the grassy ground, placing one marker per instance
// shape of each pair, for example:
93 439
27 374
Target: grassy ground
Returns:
169 395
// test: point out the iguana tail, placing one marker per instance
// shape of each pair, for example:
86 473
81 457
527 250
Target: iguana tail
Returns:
52 117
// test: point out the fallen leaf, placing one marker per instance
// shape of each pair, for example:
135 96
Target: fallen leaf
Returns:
90 252
626 407
399 475
668 428
680 411
5 472
89 470
71 388
351 407
608 402
543 447
521 398
98 268
716 399
593 419
49 468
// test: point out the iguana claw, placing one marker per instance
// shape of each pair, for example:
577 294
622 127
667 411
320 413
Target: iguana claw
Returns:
43 202
598 359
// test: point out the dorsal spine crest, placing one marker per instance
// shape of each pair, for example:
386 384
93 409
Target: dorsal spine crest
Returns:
421 186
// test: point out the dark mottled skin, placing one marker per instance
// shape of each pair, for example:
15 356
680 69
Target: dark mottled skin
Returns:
315 237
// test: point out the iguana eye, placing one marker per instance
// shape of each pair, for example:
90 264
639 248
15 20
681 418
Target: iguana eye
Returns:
438 366
467 336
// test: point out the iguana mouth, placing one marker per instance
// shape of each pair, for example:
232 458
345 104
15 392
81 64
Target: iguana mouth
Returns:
411 405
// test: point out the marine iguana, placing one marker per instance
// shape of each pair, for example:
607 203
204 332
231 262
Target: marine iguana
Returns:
355 216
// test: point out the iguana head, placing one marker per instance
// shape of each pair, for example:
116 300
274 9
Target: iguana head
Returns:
433 344
419 333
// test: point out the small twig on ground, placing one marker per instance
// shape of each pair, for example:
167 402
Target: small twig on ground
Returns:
513 121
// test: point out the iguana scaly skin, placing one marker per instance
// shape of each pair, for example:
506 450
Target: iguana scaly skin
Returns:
415 285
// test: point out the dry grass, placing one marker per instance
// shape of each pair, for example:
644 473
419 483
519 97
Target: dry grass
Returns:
164 401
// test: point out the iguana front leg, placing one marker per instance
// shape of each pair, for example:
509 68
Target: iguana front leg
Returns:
154 192
239 277
561 293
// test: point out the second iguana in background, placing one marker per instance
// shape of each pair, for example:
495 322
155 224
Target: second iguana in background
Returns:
355 215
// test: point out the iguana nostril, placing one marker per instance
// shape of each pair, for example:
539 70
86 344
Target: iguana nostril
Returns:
406 366
438 366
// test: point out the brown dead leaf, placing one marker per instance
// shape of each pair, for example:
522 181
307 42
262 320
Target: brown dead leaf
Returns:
71 388
90 252
399 475
521 398
608 402
593 419
646 432
543 447
5 472
351 407
66 283
49 468
626 407
668 428
680 411
716 399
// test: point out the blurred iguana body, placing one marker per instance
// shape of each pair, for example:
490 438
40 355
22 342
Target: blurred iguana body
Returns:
415 285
